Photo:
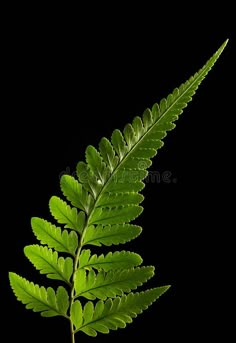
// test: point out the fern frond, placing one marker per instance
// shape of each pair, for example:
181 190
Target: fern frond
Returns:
116 260
103 285
111 234
47 261
40 299
114 314
54 237
105 199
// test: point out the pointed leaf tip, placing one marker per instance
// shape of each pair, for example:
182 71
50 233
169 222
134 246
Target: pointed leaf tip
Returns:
226 42
222 47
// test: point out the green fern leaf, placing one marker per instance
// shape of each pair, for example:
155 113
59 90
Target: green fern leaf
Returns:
112 234
51 235
115 199
105 199
119 144
116 260
103 285
64 214
40 299
90 182
114 314
76 314
75 193
115 215
108 154
47 261
96 164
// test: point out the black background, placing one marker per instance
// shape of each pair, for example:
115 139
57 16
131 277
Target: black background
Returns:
73 76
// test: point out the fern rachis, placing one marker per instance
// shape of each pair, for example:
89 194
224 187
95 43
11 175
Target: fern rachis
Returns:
97 295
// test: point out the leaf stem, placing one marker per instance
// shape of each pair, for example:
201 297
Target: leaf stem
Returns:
72 332
72 295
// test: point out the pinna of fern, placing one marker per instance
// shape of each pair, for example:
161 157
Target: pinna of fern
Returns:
97 210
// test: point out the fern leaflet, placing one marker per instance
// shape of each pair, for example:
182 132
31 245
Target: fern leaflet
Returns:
47 261
114 314
108 285
112 234
40 299
116 260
